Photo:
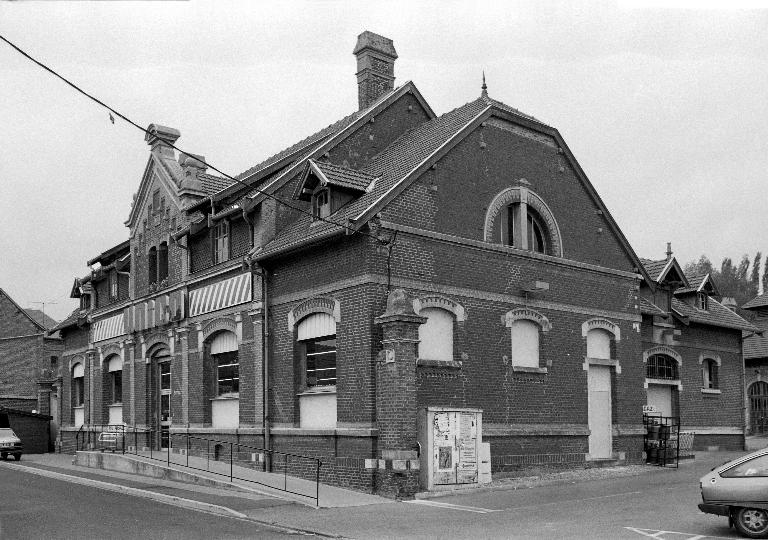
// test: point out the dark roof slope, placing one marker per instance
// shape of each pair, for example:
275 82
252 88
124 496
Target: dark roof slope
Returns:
391 166
757 302
756 346
716 315
41 318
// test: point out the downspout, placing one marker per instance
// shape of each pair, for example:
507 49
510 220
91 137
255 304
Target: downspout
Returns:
265 371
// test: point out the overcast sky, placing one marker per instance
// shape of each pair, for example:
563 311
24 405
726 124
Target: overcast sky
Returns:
665 109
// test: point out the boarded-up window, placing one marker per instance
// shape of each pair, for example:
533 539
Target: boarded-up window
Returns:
525 343
598 344
436 335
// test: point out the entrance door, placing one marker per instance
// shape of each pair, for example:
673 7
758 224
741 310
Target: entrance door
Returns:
660 397
599 403
53 405
758 407
164 409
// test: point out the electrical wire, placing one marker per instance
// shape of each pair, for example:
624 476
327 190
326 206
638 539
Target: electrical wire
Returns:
225 175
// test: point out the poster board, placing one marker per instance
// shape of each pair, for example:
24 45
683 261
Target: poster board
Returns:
451 438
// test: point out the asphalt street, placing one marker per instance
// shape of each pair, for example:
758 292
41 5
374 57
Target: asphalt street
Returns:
36 507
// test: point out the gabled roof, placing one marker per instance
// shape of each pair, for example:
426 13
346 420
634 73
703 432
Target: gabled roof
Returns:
659 271
111 254
334 175
33 323
41 318
759 301
716 315
75 318
213 184
699 283
756 345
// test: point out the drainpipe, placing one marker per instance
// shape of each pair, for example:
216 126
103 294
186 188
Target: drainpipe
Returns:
265 370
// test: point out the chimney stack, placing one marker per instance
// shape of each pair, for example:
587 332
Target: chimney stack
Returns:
375 67
159 138
669 250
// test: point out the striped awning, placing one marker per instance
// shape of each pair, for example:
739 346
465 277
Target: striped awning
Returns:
108 328
229 292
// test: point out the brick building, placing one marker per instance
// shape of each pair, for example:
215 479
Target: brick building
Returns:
756 366
692 352
455 272
29 359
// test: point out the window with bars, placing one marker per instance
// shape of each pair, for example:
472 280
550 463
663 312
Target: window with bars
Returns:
221 242
660 366
228 373
321 361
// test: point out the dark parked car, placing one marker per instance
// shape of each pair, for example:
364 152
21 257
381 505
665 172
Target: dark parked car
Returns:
738 490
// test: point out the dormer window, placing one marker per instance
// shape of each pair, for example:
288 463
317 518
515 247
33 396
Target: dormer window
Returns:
321 204
702 301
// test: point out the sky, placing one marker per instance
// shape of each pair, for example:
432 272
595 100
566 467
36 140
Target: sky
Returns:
664 108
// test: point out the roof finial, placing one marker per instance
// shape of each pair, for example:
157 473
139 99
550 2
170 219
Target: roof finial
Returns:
669 250
484 93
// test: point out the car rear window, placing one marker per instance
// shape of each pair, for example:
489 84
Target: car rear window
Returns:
757 466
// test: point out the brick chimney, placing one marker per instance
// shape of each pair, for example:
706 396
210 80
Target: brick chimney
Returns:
375 67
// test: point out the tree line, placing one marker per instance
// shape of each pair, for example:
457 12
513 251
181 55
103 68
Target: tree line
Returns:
742 281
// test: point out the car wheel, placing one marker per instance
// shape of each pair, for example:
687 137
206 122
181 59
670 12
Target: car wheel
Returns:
17 457
752 522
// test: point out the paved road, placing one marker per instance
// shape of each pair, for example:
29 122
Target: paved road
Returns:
620 508
35 507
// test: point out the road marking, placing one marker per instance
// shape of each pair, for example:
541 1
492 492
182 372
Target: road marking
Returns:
655 533
159 497
450 506
575 500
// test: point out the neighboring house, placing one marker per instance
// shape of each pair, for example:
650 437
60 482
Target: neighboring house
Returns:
692 351
449 280
29 359
756 366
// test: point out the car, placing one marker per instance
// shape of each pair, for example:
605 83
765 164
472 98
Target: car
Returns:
10 444
738 490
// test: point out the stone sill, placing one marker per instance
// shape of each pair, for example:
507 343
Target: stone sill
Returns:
325 390
225 398
447 364
711 391
526 369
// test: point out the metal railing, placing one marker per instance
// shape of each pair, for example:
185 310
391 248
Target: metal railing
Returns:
282 471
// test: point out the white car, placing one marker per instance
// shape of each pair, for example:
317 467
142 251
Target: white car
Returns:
10 444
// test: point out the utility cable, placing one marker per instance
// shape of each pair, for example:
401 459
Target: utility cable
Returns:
137 126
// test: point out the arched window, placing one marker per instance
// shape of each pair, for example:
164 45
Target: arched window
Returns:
78 393
599 344
519 218
525 344
152 265
661 366
316 340
436 335
162 261
709 374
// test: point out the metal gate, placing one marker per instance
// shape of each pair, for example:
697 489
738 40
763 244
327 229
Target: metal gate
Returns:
758 407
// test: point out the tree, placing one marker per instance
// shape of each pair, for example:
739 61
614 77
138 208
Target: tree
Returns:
731 280
755 277
702 266
765 273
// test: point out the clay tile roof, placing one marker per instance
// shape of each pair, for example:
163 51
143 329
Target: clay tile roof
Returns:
654 268
756 346
649 308
391 166
341 176
70 320
214 184
757 302
716 315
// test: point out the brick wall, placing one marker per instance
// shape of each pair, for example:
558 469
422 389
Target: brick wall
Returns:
13 321
19 361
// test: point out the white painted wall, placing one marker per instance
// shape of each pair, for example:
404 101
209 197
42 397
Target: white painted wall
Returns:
225 413
318 410
115 414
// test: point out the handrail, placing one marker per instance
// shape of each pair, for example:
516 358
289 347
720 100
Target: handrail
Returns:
308 465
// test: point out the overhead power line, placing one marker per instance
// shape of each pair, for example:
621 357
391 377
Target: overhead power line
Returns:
169 143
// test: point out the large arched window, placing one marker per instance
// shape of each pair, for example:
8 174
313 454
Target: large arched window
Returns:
78 393
519 218
436 335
